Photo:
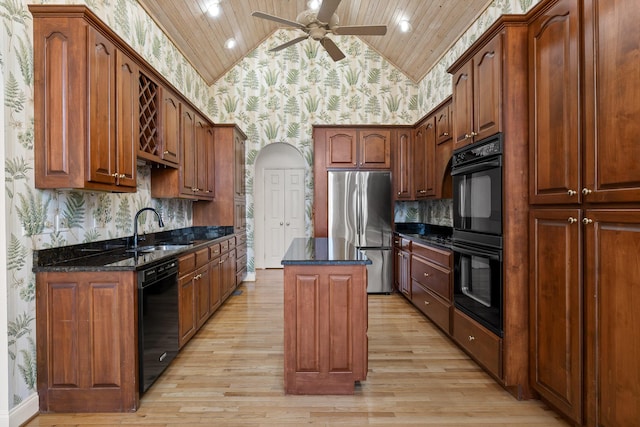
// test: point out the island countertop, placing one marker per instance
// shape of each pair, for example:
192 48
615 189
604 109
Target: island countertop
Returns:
323 251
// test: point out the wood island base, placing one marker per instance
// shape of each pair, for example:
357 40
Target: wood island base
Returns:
325 328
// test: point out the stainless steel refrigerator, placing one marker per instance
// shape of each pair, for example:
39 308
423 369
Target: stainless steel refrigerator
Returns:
360 212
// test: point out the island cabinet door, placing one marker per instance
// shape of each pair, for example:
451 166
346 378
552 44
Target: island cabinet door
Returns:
325 329
86 342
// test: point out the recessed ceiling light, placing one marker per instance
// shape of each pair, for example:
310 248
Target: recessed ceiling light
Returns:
314 4
214 8
405 26
230 43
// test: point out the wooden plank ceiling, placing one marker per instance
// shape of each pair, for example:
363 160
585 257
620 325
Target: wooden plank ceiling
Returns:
437 24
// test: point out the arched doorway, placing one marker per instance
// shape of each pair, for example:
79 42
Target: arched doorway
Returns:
279 207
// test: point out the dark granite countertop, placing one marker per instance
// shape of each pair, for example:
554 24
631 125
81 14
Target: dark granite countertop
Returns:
323 251
435 235
116 255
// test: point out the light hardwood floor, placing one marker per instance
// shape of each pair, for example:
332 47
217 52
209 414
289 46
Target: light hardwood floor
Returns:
231 374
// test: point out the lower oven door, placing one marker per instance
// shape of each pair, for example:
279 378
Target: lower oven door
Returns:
477 282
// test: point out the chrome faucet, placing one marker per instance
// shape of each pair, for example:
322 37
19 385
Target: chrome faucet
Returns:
135 224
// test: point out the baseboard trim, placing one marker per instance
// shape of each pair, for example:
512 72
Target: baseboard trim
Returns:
21 414
251 277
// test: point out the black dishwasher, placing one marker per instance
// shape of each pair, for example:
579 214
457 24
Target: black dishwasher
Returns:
157 320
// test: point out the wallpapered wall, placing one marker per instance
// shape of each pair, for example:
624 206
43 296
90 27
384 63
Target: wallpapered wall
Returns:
271 97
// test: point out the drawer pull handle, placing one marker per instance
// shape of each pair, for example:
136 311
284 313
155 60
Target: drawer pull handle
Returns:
471 338
427 303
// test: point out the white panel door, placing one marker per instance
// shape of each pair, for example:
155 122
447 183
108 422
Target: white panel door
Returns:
274 195
284 212
294 205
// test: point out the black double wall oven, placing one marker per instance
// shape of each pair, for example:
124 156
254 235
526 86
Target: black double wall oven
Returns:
477 232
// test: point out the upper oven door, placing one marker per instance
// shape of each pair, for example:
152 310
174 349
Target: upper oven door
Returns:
477 196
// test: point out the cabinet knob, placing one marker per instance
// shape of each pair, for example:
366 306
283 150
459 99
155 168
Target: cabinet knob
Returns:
471 338
467 136
427 303
165 152
399 193
587 221
474 133
586 191
281 223
287 224
445 133
115 174
572 220
426 274
572 192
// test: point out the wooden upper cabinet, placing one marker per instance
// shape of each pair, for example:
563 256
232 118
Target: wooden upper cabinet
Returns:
374 149
239 183
85 97
189 155
342 148
477 95
487 90
170 125
612 101
443 123
424 157
463 105
403 164
358 148
555 306
554 103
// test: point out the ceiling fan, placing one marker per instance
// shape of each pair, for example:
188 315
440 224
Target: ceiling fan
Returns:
318 25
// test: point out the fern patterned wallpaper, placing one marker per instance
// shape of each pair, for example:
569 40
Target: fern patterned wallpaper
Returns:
271 97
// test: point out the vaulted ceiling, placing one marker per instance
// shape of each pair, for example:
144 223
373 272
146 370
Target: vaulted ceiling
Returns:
437 24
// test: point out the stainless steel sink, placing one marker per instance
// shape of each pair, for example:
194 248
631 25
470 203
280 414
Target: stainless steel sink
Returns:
153 248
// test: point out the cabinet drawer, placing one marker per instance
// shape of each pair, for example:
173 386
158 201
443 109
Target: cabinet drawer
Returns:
401 243
436 255
232 243
224 246
241 250
214 250
431 276
186 263
432 306
241 263
241 238
202 257
484 346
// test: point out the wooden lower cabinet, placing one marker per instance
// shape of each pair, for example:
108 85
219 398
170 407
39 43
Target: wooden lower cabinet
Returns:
432 306
325 328
483 345
87 341
612 317
556 309
585 340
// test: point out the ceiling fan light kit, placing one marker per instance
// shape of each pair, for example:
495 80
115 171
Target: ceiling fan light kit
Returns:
317 25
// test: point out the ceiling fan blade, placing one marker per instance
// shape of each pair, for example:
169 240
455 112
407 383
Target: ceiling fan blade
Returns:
327 9
289 43
332 49
361 30
278 19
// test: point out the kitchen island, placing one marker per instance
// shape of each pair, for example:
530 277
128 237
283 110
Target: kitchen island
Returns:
325 316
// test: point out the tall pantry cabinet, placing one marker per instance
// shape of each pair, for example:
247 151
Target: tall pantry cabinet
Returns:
585 209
